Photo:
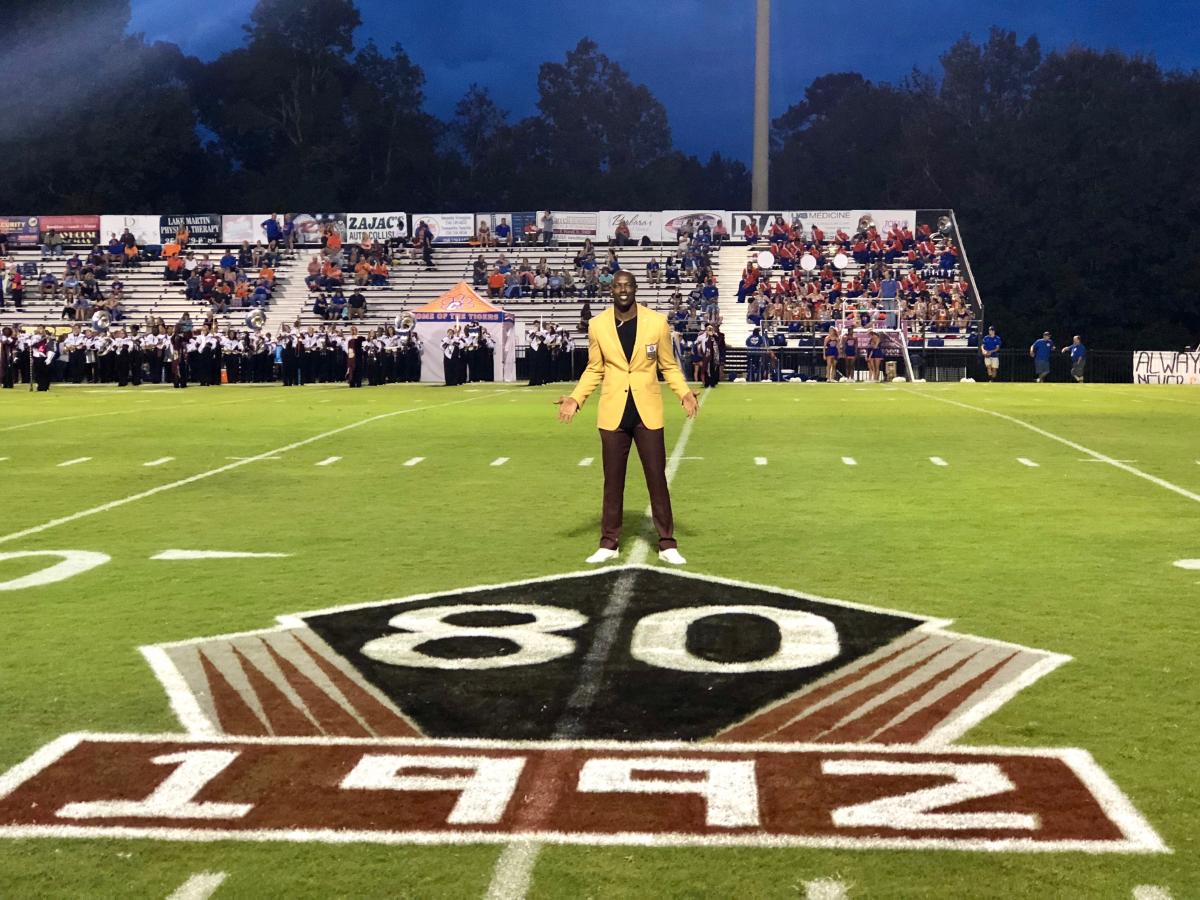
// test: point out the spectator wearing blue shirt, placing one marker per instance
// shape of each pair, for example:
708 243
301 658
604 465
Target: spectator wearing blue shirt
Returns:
504 233
1041 352
989 347
1078 357
272 228
755 345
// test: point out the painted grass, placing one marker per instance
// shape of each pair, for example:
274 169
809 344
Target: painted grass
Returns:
1071 556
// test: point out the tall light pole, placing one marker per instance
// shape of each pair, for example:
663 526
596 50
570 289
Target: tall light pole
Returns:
762 72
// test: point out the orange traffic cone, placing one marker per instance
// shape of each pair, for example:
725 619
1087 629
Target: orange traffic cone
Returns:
224 375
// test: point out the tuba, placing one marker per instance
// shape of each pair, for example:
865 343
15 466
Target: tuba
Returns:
865 223
101 320
944 224
405 322
256 319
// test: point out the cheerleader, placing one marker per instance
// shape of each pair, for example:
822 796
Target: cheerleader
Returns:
874 355
850 352
830 343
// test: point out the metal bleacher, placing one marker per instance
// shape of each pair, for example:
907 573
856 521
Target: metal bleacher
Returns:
147 293
410 285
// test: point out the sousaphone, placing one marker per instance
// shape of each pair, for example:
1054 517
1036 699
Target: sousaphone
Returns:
256 319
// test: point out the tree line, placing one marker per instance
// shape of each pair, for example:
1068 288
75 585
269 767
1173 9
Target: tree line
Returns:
1073 173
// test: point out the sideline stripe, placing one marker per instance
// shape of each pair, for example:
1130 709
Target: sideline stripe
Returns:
1099 457
760 460
72 462
200 886
938 461
1027 462
499 460
587 461
159 462
220 470
414 460
329 462
514 867
849 460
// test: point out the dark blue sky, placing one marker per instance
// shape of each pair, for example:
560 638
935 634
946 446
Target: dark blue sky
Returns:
696 56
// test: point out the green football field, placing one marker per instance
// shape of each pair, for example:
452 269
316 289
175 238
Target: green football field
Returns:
1049 516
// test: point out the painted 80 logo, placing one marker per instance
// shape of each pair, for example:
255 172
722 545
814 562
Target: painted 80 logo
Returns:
659 639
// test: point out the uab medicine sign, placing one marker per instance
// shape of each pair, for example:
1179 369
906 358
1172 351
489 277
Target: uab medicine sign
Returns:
622 706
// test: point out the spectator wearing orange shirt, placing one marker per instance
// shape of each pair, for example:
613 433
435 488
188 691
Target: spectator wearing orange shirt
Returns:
379 273
362 272
495 283
333 242
174 270
267 274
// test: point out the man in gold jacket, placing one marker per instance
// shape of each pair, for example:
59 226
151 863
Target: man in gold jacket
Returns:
628 345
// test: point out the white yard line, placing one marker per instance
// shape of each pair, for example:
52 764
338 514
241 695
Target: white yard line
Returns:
849 461
1151 892
1099 457
160 461
938 461
329 461
499 460
252 458
760 460
114 412
825 889
200 886
1025 461
586 461
74 462
414 460
514 867
220 470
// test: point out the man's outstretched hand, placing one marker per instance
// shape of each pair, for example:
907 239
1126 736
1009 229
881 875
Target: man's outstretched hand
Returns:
567 407
691 405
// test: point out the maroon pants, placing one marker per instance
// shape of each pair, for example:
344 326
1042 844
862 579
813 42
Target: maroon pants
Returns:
653 452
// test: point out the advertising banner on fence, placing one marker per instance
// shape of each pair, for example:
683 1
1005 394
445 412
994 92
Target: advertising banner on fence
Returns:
447 228
1166 367
308 226
379 226
74 229
245 227
828 220
641 224
20 230
674 219
572 227
202 228
143 228
515 221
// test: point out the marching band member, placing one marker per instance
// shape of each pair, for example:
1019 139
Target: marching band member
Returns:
454 365
410 353
179 354
43 352
232 352
74 347
538 356
8 346
355 361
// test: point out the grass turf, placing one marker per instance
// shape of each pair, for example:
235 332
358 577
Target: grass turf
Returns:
1071 556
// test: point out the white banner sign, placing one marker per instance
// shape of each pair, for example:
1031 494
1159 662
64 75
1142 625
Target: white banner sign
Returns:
674 219
572 227
379 226
447 228
144 228
1165 367
828 220
641 224
245 227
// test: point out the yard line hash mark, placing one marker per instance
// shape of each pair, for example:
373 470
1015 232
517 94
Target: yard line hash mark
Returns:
849 461
160 461
499 460
586 461
176 555
329 461
220 470
938 461
414 460
74 462
760 460
200 886
1027 462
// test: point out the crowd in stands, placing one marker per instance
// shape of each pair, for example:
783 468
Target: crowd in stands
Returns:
897 276
88 284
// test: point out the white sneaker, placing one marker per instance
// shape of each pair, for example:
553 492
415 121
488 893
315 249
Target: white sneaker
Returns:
671 555
603 554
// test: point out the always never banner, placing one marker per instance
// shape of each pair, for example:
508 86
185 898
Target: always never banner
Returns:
1165 367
